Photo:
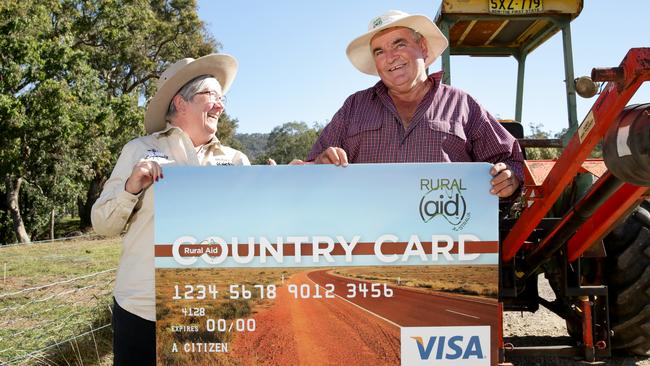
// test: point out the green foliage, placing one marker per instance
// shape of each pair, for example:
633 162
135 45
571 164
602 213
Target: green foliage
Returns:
73 76
129 43
254 144
226 129
42 102
292 140
537 153
552 153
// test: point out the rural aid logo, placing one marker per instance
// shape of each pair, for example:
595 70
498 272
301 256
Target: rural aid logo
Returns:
443 198
456 346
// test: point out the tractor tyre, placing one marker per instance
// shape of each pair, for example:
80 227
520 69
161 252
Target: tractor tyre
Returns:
628 281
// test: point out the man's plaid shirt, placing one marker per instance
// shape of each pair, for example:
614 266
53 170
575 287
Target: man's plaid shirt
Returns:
448 126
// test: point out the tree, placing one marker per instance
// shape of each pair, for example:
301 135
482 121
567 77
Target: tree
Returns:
538 153
129 43
551 153
292 140
73 75
254 144
46 89
226 129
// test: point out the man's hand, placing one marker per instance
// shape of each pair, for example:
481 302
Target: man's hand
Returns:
332 155
505 182
142 176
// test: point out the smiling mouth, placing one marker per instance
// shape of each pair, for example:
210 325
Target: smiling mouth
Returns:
397 67
213 115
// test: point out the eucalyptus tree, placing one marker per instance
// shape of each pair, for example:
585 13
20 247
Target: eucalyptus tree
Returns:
129 43
74 78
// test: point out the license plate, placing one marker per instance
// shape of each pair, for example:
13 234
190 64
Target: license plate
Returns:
515 7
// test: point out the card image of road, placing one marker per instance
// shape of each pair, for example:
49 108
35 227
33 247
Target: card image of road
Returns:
314 316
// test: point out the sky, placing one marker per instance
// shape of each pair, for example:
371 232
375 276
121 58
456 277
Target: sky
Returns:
293 67
285 203
322 200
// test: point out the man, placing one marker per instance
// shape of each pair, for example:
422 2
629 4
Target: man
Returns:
181 121
410 116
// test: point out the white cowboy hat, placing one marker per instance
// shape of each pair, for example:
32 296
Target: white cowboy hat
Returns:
221 66
359 51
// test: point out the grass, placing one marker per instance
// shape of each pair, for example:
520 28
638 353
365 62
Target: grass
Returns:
38 318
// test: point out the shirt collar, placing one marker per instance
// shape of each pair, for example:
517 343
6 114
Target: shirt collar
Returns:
171 129
380 87
166 131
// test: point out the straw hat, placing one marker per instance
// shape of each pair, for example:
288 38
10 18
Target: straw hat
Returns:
221 66
359 51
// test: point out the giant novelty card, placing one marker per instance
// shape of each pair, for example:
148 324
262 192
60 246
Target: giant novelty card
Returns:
363 265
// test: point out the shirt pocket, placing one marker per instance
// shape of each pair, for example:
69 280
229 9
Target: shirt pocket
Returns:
445 141
363 141
360 127
451 129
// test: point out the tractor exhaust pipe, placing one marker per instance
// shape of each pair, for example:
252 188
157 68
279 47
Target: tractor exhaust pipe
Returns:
626 151
626 147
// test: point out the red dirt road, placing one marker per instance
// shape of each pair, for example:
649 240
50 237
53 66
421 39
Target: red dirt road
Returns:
334 331
317 332
412 308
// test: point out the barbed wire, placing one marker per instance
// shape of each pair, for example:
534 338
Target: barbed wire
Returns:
55 283
61 320
60 329
69 305
16 307
42 325
37 352
35 314
50 240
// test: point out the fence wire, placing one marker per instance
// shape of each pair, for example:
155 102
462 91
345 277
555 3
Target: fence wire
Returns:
36 353
39 321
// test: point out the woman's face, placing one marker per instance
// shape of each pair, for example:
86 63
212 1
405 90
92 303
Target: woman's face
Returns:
201 113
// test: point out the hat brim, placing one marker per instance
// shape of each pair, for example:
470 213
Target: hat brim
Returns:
360 54
221 66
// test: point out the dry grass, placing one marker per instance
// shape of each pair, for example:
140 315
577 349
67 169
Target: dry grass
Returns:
35 319
472 280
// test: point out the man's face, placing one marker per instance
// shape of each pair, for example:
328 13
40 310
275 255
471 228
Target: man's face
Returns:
399 58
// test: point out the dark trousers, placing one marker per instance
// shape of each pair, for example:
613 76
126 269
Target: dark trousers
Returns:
134 339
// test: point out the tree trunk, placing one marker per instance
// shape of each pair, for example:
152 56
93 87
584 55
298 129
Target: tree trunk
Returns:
13 191
92 194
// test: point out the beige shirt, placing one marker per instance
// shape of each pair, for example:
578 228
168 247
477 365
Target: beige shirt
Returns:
116 209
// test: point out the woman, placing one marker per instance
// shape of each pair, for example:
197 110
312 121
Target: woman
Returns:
181 121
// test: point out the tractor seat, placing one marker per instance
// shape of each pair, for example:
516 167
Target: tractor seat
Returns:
515 128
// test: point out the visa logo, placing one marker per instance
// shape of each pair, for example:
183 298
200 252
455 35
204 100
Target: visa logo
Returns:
446 346
449 348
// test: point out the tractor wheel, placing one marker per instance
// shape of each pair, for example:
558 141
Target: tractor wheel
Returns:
628 279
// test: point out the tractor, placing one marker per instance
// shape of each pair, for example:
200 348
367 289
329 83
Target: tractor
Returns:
583 223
